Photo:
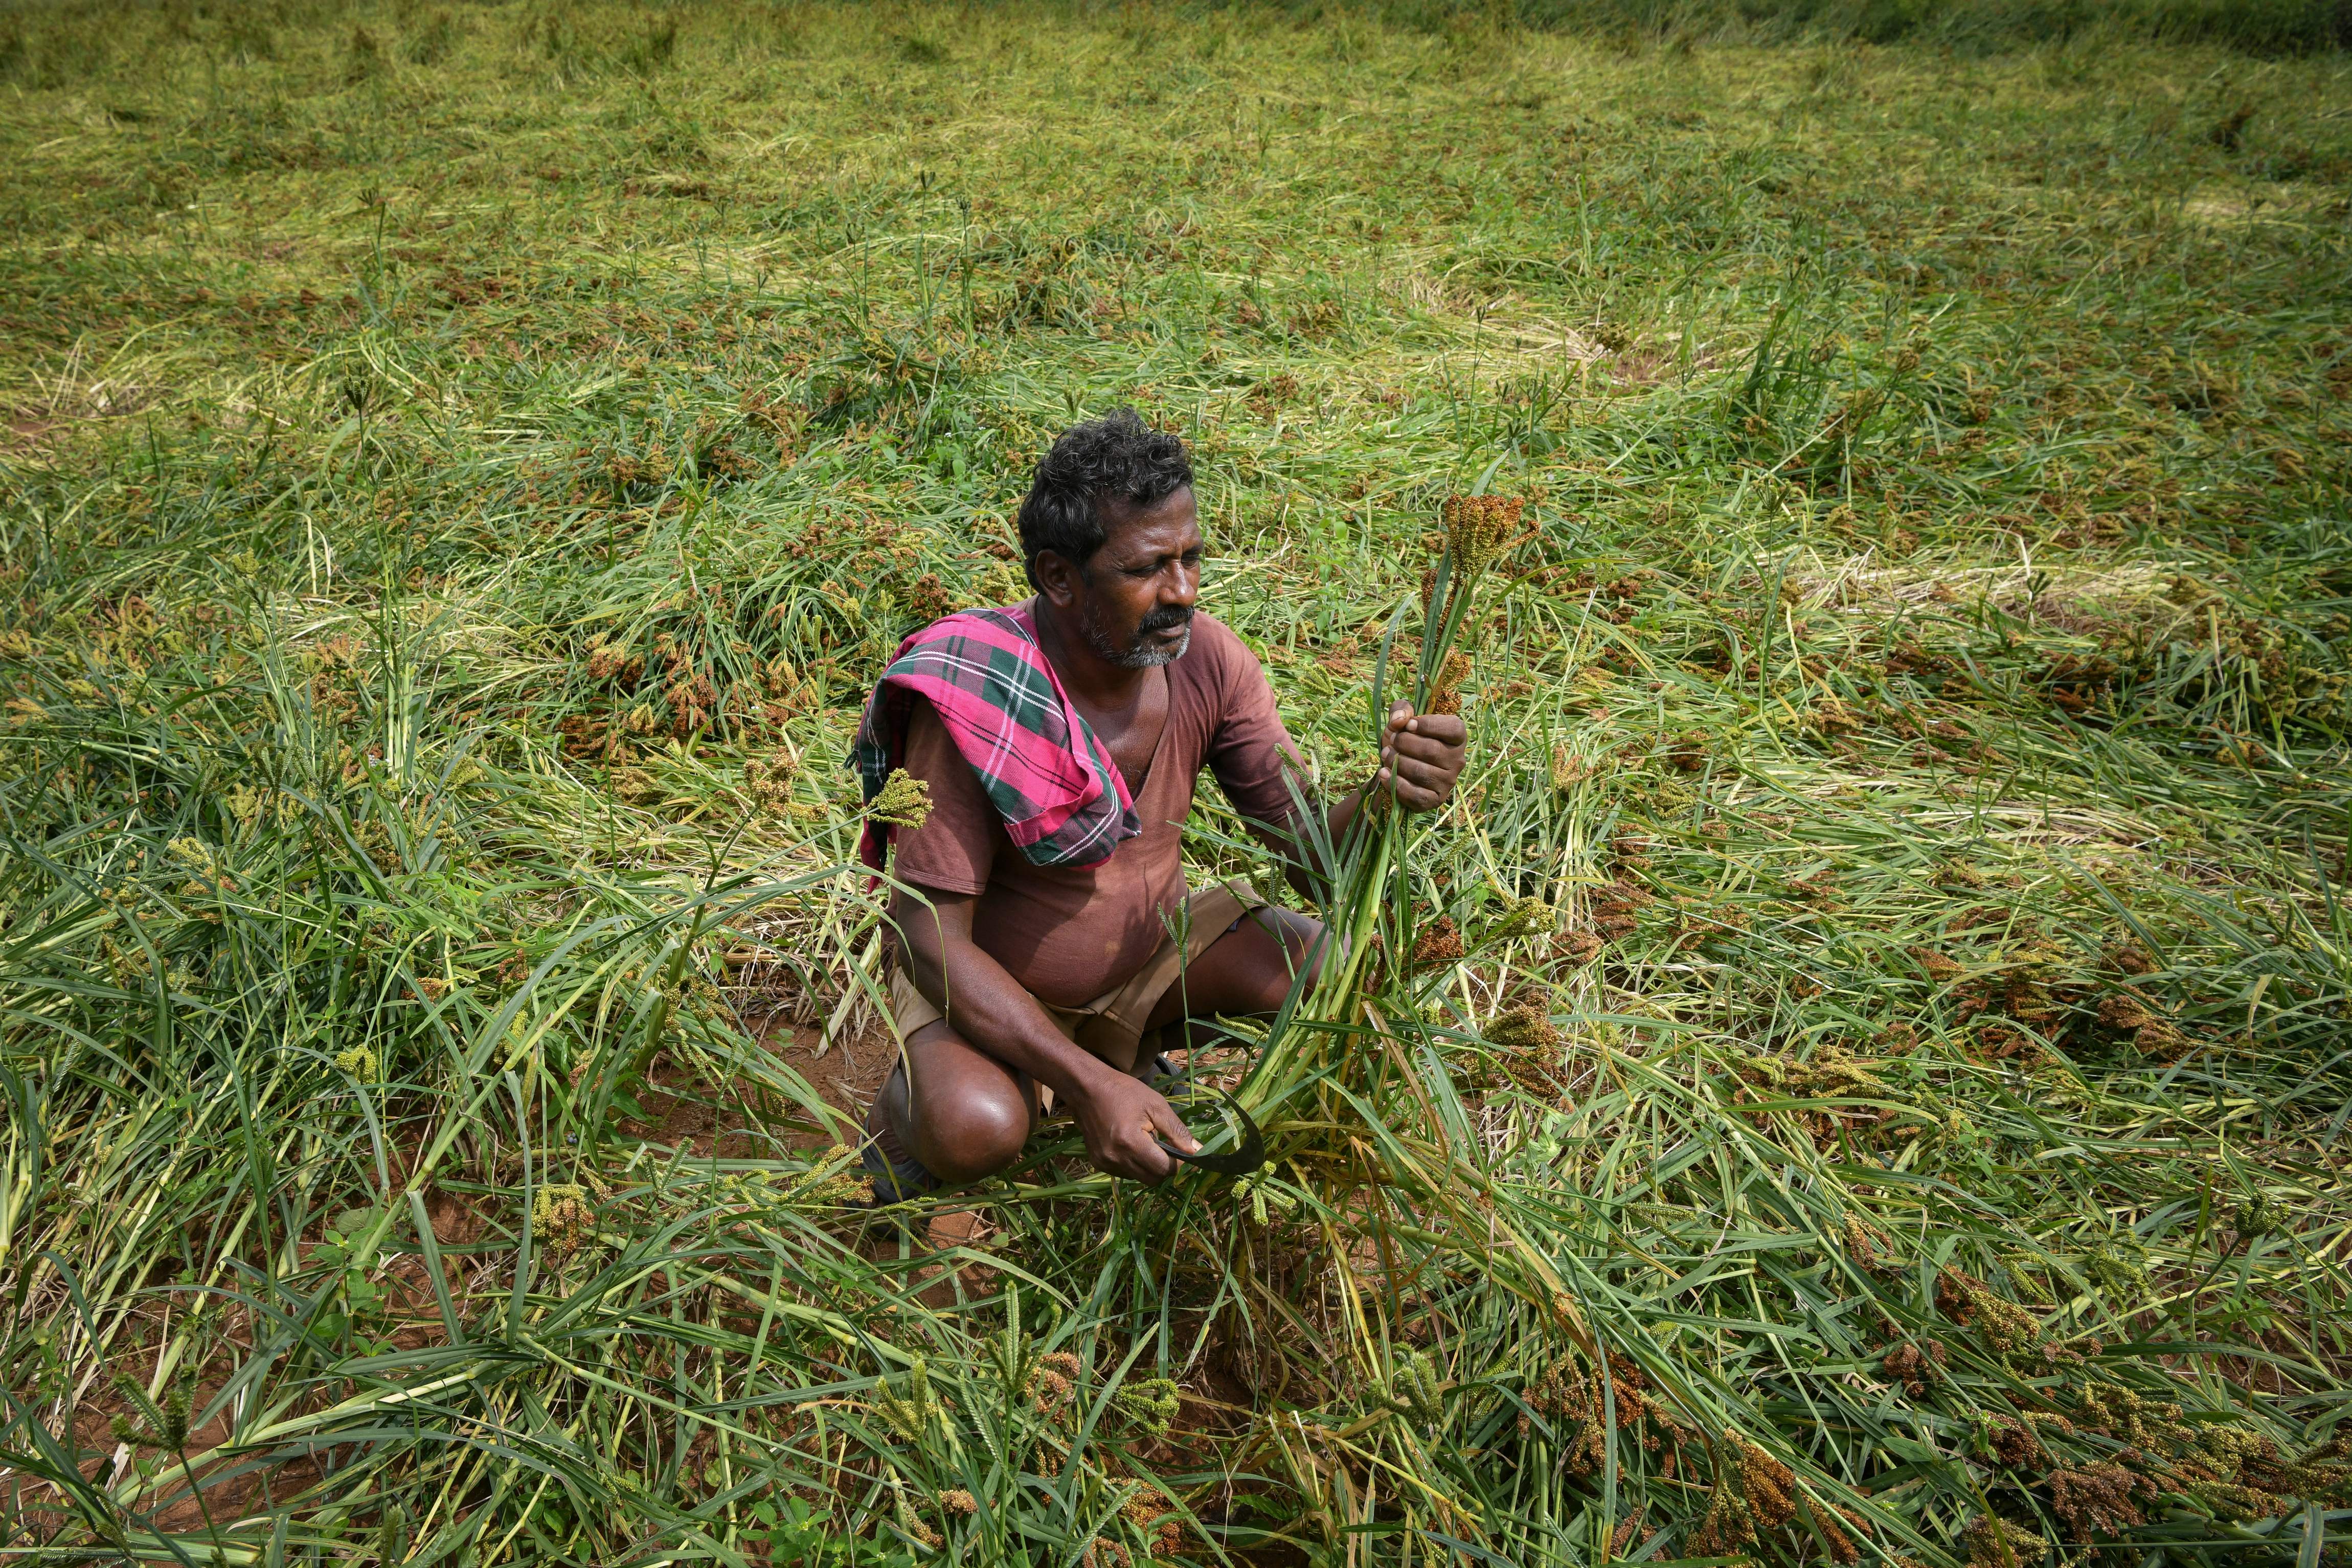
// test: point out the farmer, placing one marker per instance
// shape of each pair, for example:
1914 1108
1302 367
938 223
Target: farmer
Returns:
1049 937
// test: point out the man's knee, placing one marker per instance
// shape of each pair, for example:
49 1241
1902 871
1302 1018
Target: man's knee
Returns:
969 1130
1302 940
1301 936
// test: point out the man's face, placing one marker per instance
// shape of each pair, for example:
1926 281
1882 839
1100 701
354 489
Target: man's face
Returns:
1135 594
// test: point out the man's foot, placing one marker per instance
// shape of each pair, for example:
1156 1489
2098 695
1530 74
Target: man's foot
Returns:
1198 1038
1171 1080
898 1175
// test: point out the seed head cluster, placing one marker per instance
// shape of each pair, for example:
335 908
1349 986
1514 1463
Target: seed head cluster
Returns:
1052 1379
1477 529
1153 1517
1525 1027
2005 1325
1445 686
904 801
1440 943
2100 1498
1150 1404
769 779
912 1523
166 1425
909 1414
560 1219
1915 1365
1756 1495
1995 1543
1569 770
1417 1389
1523 918
1576 1405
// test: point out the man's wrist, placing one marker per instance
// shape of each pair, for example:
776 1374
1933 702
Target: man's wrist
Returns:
1087 1076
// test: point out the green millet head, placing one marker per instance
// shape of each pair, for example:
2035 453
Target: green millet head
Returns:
903 802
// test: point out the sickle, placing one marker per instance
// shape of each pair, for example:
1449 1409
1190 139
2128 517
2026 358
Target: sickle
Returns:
1240 1161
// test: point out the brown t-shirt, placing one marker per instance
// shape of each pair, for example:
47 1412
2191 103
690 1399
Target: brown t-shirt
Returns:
1068 936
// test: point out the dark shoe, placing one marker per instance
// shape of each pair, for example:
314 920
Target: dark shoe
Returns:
1173 1082
898 1175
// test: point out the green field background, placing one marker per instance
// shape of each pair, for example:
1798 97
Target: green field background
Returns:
1880 1094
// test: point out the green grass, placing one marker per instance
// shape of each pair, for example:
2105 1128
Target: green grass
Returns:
465 464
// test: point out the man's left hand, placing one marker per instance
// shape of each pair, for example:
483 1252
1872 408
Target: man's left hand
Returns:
1422 754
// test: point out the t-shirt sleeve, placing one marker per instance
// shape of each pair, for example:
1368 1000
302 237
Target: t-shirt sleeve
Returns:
954 847
1250 751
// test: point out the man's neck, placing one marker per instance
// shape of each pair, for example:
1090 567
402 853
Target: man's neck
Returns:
1088 677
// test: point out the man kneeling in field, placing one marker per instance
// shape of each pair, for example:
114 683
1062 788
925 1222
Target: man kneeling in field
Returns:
1054 938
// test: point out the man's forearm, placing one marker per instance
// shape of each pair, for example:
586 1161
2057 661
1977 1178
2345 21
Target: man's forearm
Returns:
1341 814
1303 858
992 1011
1128 1127
1420 756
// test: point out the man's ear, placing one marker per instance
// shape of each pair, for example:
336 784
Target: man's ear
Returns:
1056 578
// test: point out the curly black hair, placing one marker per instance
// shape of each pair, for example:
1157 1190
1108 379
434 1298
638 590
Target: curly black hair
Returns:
1116 457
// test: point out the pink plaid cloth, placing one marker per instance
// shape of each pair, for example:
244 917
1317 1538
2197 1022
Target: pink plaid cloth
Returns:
1062 798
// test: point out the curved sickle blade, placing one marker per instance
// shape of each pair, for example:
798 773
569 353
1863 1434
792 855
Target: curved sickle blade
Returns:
1238 1162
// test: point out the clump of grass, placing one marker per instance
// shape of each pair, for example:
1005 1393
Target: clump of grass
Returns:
362 57
430 39
917 49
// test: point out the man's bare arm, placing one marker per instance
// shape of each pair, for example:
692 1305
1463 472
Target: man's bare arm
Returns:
1122 1116
1422 756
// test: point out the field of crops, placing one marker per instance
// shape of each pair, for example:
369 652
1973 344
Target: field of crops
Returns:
1859 1075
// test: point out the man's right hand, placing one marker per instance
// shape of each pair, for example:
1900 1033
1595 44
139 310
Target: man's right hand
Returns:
1124 1121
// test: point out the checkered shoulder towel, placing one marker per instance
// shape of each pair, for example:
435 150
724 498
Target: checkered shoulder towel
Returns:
1062 798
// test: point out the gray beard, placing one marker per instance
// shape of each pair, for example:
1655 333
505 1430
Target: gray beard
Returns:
1137 656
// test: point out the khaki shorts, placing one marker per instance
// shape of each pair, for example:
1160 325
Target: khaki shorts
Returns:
1111 1026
